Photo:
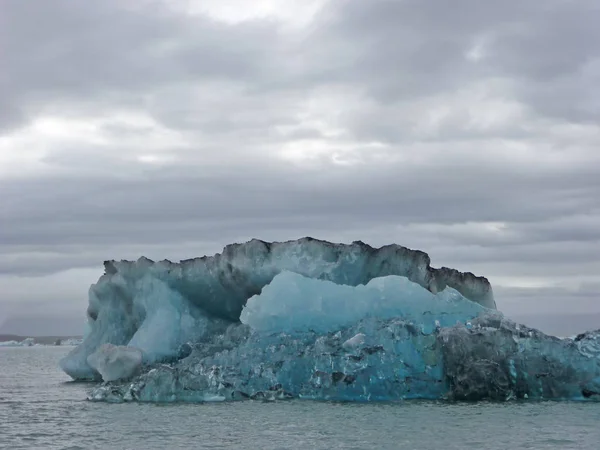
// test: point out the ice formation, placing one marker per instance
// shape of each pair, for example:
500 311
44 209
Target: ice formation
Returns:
28 342
158 307
70 342
489 358
293 302
310 319
497 359
115 362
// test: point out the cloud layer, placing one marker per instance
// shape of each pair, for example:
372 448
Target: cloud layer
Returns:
468 130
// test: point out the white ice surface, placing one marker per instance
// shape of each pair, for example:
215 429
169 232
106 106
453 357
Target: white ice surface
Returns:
115 362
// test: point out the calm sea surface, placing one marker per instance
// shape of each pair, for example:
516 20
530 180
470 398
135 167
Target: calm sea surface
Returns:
40 408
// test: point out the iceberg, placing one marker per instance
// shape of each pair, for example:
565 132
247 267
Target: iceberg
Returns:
497 359
490 358
115 362
28 342
11 344
315 320
321 341
292 302
160 306
69 342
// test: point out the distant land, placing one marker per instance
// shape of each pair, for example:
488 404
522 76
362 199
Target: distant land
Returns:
45 340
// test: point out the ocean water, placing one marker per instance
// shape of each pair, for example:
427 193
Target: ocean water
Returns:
41 409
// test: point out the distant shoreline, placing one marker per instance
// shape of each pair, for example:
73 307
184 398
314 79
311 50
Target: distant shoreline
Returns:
44 340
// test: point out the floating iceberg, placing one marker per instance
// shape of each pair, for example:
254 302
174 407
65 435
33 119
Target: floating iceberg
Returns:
69 342
28 342
45 342
158 307
10 344
497 359
311 319
488 358
115 362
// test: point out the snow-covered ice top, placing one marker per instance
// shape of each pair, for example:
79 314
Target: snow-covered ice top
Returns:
159 306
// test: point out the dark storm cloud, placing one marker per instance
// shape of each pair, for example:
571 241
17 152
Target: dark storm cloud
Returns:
484 117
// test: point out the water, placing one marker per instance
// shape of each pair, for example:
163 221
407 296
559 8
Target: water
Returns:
40 409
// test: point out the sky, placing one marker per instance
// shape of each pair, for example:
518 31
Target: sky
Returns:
467 129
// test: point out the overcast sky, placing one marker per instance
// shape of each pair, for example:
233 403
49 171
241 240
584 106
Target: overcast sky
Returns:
468 129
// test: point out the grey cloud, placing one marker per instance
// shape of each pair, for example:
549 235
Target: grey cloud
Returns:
572 230
61 50
551 298
541 225
388 191
362 72
402 50
397 51
549 42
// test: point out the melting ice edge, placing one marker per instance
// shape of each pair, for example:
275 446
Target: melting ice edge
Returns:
312 319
